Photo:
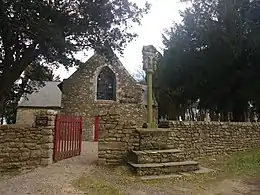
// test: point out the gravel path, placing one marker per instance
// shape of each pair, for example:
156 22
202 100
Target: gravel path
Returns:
54 179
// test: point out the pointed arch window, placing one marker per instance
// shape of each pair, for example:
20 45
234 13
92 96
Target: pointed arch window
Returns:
106 85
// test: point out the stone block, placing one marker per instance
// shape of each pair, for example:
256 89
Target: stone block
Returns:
46 153
112 162
45 139
52 112
25 154
46 161
47 146
102 161
110 145
35 153
164 168
156 156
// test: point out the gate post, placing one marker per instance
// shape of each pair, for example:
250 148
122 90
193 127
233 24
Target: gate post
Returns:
56 139
46 122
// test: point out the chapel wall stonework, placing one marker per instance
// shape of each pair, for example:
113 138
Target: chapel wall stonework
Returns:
79 95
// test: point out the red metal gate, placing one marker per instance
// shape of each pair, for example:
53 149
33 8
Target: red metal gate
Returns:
68 137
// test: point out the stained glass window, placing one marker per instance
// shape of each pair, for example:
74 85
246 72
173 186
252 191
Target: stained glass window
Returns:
106 85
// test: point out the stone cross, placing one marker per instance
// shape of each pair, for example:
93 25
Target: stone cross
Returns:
150 57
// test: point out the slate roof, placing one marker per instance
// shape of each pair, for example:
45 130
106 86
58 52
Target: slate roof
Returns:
47 96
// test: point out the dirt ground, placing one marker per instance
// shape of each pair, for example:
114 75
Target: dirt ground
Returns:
54 179
234 187
59 179
111 183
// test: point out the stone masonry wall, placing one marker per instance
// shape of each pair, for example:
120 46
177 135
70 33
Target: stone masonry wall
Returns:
205 139
26 147
116 138
119 136
79 95
197 139
153 139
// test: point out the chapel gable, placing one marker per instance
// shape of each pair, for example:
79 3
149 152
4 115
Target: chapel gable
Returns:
100 86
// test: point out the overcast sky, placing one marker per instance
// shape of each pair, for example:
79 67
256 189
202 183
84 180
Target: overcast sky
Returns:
160 17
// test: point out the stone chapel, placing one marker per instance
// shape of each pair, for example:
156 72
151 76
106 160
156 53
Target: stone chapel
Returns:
97 87
100 86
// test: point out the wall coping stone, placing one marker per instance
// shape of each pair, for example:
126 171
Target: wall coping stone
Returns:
150 130
16 126
214 123
157 151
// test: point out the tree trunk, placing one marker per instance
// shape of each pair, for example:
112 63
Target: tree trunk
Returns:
238 112
8 78
2 113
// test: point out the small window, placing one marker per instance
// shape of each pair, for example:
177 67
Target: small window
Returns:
106 85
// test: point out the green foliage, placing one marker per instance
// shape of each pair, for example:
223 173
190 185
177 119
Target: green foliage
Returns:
213 56
30 81
246 162
97 186
51 32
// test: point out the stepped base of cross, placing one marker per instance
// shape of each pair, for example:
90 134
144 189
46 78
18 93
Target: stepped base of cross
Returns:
154 160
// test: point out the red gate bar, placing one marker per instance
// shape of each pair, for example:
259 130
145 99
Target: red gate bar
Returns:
80 136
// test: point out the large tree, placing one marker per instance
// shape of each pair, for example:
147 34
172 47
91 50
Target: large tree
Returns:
213 56
31 80
51 31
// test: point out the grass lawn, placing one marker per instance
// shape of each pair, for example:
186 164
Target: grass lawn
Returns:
240 166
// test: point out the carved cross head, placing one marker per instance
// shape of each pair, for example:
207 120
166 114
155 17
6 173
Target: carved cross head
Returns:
150 55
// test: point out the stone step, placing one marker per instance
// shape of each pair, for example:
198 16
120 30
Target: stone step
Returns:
156 156
155 177
164 168
201 170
